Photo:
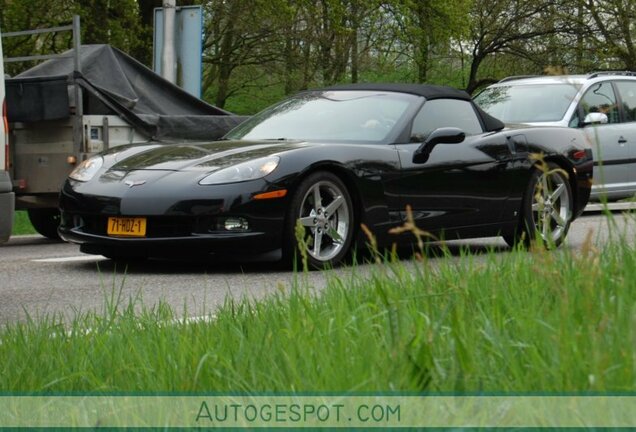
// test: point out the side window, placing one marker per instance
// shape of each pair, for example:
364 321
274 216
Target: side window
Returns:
627 91
439 113
599 98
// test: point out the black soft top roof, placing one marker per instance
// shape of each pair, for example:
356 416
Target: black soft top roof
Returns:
430 92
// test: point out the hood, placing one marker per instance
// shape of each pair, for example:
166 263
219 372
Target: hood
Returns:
201 156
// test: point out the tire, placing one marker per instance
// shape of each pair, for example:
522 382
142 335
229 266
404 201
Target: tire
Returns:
328 225
546 212
45 221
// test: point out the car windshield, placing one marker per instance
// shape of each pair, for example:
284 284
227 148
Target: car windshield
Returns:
329 116
528 103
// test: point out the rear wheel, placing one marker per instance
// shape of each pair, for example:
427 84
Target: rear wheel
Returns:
547 208
45 221
324 208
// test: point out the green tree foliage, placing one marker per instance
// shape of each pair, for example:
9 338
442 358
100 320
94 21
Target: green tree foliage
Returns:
426 27
114 22
515 28
16 15
241 39
611 28
258 51
293 45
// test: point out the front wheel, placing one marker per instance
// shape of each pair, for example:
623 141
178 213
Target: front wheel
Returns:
546 212
45 221
324 208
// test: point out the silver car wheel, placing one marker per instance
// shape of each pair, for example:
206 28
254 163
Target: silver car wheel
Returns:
326 216
551 206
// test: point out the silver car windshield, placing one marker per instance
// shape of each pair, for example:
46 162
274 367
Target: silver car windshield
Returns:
528 103
330 116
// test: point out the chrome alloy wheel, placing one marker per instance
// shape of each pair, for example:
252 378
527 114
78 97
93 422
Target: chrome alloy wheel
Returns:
326 216
551 206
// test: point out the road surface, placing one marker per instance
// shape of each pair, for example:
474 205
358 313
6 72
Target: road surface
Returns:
39 277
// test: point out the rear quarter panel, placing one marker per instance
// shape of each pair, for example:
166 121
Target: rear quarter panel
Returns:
567 147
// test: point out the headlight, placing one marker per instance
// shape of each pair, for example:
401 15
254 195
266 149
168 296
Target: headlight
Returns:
245 171
87 169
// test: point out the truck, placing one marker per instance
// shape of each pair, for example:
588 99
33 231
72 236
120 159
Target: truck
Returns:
81 102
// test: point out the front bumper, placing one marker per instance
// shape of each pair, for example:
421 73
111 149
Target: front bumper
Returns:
230 245
180 224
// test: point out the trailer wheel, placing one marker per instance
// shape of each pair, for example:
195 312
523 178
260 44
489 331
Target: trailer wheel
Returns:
45 221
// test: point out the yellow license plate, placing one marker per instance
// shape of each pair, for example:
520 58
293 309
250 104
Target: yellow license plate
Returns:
127 227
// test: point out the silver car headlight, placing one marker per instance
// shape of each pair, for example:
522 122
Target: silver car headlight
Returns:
87 169
245 171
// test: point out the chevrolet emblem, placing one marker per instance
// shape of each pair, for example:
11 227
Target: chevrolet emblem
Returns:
131 183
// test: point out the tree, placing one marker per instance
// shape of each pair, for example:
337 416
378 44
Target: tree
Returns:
257 51
32 14
239 33
425 26
509 27
114 22
612 25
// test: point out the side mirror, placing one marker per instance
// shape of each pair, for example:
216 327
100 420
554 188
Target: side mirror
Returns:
595 118
445 135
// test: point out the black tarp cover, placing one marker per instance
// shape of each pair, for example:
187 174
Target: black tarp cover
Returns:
128 88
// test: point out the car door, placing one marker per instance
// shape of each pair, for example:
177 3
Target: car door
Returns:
609 139
460 185
626 92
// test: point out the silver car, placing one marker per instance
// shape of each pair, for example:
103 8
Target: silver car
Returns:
602 104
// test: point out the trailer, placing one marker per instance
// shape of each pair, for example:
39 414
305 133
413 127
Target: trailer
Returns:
7 197
84 101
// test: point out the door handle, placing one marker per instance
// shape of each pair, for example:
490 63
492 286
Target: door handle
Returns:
622 140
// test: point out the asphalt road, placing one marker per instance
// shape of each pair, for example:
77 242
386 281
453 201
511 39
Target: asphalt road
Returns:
39 277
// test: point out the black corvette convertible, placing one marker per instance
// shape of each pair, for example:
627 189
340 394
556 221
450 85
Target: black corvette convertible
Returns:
332 159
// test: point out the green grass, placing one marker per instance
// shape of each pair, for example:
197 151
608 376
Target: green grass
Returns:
21 224
520 321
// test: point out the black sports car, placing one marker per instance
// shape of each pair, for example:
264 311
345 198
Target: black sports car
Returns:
332 159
